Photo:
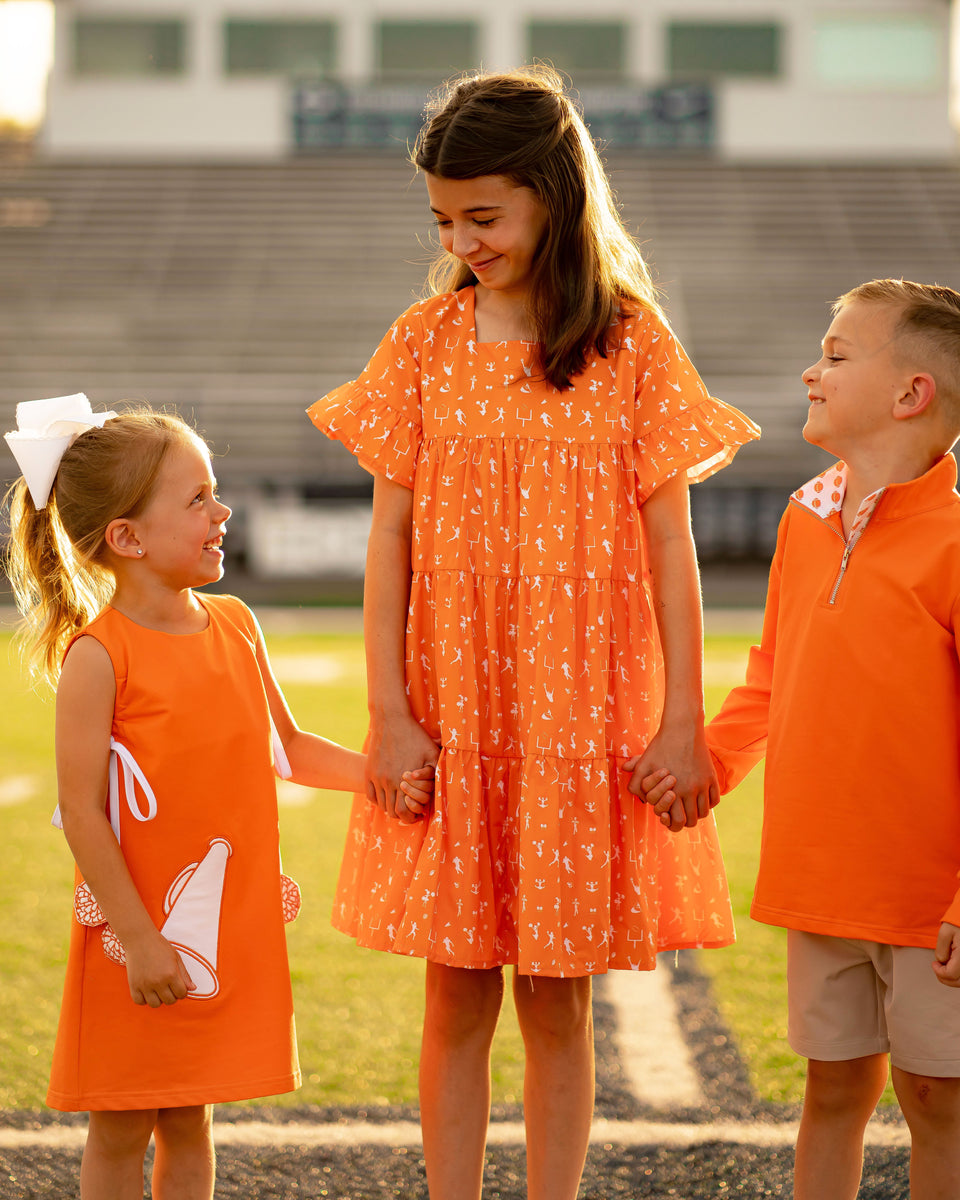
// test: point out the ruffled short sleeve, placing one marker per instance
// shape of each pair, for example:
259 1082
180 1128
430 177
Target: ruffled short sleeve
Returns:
679 425
377 415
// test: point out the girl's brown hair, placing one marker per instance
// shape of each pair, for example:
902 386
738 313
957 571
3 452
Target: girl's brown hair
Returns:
522 126
56 557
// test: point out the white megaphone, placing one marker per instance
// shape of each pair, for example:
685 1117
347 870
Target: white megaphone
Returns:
192 926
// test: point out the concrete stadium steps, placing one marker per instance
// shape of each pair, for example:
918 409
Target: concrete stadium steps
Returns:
235 294
241 292
751 256
256 422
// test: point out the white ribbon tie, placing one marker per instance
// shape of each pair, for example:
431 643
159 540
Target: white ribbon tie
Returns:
45 429
122 759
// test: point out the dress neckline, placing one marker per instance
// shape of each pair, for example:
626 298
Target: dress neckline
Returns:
166 632
471 314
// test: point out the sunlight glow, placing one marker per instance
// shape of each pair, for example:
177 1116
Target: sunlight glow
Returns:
955 64
26 51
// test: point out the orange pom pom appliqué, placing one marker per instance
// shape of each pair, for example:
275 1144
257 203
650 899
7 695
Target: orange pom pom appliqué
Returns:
290 897
88 912
85 907
112 946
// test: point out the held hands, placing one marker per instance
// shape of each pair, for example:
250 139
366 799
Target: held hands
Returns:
155 971
400 767
686 794
417 789
946 962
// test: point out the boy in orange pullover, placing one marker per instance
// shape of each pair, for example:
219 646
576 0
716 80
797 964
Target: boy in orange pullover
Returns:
853 695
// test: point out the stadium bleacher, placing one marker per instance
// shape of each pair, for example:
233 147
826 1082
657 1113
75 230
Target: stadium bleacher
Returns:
238 293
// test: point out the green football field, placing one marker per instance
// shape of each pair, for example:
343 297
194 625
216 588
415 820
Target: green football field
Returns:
358 1012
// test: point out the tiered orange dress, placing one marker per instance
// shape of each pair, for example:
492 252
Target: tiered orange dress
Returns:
531 648
193 713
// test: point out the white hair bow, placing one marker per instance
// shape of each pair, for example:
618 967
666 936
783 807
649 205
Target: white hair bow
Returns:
45 428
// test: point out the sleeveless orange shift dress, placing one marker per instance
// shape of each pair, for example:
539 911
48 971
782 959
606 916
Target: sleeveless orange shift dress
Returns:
532 652
192 712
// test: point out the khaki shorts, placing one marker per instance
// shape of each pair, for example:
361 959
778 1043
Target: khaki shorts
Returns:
848 999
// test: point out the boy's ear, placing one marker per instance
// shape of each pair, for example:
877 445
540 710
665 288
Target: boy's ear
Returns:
121 537
917 398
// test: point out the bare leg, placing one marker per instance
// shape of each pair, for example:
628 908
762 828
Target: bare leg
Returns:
184 1164
932 1110
556 1020
839 1100
112 1166
459 1023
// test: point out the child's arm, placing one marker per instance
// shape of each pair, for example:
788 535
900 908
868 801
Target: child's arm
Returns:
736 738
398 743
314 761
737 735
679 742
946 963
317 762
398 772
85 698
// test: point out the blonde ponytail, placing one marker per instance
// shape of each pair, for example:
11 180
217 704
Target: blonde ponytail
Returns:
55 558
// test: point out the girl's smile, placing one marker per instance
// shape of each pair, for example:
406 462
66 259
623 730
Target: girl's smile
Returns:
181 530
857 379
493 226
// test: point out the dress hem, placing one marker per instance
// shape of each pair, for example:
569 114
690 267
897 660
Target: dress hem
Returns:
109 1102
512 961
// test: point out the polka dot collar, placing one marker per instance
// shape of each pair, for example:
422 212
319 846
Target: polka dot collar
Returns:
824 495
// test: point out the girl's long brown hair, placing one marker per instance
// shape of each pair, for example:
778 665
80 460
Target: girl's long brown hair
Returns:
522 126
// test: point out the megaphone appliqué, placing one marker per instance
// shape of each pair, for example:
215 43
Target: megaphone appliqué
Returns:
193 901
192 904
192 909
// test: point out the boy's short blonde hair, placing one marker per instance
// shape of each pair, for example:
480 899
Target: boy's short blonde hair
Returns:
927 331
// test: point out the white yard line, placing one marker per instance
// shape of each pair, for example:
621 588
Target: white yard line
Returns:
654 1054
502 1133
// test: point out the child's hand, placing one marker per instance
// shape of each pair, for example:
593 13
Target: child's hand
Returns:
692 789
155 972
417 788
946 963
398 745
658 791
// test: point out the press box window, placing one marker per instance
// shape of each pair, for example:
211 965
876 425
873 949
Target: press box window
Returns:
425 50
588 51
306 48
903 53
107 46
703 50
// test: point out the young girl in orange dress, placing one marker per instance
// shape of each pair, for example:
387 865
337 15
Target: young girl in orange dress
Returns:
169 726
532 619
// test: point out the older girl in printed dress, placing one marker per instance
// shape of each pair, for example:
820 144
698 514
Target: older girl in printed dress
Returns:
532 618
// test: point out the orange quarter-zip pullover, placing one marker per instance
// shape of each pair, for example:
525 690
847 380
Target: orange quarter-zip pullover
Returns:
853 695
